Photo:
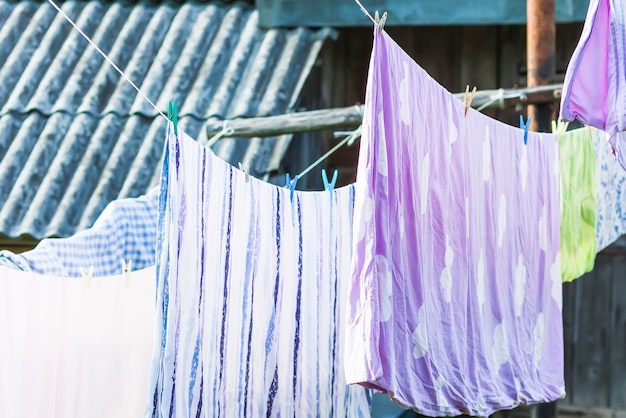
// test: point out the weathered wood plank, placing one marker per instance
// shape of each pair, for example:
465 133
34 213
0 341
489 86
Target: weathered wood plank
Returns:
570 308
350 117
617 357
591 363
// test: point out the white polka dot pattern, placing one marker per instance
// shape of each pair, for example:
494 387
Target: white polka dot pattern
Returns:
458 234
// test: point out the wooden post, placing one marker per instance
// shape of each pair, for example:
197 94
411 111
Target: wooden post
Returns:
350 117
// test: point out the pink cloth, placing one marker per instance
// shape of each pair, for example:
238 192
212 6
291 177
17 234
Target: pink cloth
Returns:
594 91
455 299
69 350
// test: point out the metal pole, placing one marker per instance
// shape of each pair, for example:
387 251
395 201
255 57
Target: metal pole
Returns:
541 45
540 52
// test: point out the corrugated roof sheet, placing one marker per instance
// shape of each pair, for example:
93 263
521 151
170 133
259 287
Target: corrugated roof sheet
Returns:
74 135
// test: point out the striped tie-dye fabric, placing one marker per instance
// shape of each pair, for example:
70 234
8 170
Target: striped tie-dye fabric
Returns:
250 294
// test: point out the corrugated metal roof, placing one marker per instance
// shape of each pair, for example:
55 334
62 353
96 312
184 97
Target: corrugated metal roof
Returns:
74 135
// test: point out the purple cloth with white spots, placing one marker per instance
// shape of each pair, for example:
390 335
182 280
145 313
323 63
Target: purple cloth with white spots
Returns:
455 300
594 90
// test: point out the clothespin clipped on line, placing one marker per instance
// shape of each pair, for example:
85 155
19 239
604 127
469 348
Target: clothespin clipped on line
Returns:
87 276
172 114
126 269
291 184
226 130
380 21
467 99
329 186
559 127
524 126
244 170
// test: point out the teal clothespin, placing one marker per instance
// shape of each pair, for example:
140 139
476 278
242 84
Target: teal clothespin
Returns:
291 184
524 126
329 186
172 114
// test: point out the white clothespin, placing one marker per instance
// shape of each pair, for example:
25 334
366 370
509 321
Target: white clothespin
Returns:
87 276
467 99
380 21
226 130
241 167
126 269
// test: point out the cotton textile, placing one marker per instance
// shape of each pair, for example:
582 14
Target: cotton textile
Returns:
69 350
611 192
578 203
126 230
251 294
455 299
594 90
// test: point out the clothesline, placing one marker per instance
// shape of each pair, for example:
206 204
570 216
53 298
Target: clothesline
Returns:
351 116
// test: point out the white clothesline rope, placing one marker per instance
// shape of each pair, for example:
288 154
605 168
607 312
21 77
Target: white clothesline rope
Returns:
109 60
349 139
364 10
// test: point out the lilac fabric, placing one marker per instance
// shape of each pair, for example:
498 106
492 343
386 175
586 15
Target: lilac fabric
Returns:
455 299
594 90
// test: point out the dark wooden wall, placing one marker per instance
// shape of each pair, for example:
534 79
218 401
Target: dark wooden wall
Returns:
491 57
594 320
18 245
487 57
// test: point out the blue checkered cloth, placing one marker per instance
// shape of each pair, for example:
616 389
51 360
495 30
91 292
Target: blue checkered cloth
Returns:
126 230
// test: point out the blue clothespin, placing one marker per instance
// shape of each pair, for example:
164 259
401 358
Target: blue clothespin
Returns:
291 184
524 126
329 186
172 114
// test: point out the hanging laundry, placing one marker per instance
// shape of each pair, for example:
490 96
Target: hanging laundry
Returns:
594 90
11 260
578 203
251 294
455 299
611 192
69 350
126 230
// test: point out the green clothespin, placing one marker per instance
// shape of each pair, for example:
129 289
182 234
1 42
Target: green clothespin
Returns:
172 114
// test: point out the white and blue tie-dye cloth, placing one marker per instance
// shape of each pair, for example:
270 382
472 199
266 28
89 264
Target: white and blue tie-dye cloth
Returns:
611 192
250 294
126 230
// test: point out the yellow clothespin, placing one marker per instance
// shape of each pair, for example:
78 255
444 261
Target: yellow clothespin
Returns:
467 99
87 276
126 269
559 127
380 21
241 167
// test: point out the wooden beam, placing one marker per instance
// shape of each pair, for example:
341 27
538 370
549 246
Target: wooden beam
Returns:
351 117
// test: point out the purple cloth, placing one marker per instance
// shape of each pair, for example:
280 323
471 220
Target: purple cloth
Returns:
455 299
594 91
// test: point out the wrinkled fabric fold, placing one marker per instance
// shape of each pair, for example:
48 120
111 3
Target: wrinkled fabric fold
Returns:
455 299
126 230
594 89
